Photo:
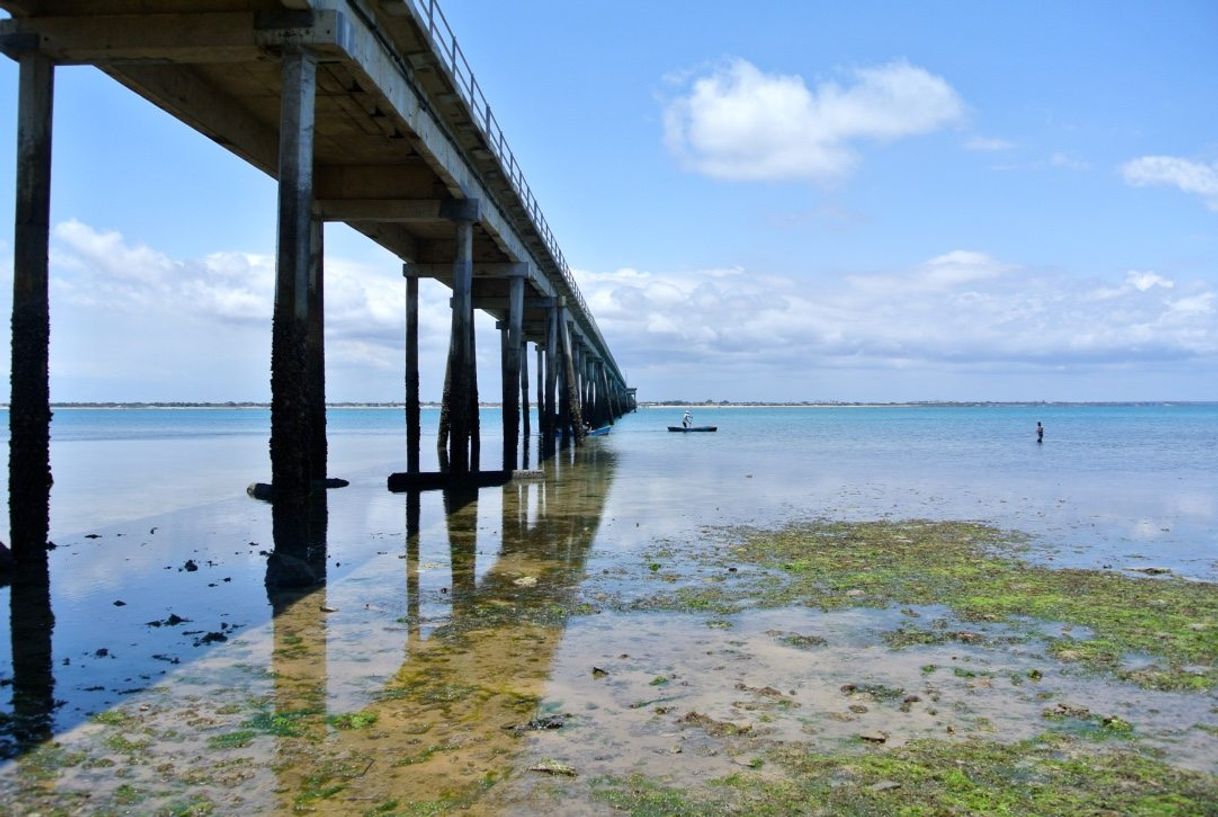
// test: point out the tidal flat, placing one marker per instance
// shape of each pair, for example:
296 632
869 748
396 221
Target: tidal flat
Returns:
620 637
884 667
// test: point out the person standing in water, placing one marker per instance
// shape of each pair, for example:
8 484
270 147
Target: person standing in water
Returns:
1040 432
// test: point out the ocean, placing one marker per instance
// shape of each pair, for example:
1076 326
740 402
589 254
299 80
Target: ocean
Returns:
151 524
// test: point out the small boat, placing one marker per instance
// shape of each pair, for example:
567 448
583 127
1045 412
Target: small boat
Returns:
693 428
599 432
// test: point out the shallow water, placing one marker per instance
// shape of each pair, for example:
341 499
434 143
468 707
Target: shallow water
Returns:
440 621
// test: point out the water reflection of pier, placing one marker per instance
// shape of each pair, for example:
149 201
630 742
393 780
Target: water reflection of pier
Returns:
436 730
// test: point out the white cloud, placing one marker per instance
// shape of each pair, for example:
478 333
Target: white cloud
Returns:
125 313
960 309
740 123
1135 281
1198 178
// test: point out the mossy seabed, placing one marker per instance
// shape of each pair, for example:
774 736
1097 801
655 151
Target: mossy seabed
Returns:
974 570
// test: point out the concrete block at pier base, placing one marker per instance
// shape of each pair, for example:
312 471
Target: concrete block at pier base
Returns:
266 492
535 473
260 490
436 480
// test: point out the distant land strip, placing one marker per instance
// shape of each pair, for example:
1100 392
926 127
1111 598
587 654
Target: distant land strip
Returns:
645 404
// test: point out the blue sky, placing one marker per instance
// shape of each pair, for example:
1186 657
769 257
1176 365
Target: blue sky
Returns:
763 201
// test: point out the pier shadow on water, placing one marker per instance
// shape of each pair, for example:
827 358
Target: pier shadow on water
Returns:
387 649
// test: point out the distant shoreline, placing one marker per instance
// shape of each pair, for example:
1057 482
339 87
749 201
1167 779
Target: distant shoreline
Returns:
661 405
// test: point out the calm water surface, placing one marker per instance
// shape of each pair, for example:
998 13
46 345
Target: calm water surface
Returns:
151 521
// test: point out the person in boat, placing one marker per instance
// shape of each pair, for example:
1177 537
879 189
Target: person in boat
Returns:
1040 432
687 420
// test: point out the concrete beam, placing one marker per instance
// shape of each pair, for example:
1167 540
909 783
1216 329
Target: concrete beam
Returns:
375 68
412 179
390 210
180 37
502 302
481 270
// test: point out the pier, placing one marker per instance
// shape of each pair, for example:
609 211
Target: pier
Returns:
366 112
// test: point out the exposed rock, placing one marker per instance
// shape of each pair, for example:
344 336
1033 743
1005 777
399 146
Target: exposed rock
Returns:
550 766
538 724
210 638
716 728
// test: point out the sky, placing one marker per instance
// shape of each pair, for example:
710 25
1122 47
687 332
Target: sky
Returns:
779 201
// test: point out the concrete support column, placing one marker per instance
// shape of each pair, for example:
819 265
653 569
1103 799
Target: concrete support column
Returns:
511 374
413 425
316 365
29 464
524 399
596 398
577 364
459 395
549 426
290 436
541 397
574 419
607 394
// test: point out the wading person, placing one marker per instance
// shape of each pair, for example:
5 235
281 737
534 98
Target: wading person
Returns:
1040 432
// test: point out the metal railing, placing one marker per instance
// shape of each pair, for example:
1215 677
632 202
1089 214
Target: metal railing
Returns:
444 43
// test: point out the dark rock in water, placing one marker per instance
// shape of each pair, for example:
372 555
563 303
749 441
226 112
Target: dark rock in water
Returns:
120 603
190 566
260 490
286 572
211 638
7 562
538 724
92 535
173 621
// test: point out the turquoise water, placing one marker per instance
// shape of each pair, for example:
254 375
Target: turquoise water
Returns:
138 493
1106 475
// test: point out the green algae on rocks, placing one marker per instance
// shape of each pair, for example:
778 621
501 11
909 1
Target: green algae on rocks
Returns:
975 570
1044 777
